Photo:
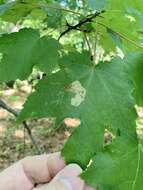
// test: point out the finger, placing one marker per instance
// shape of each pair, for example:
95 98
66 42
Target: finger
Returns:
41 169
45 187
14 178
66 179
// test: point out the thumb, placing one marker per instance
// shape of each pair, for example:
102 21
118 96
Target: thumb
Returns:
66 179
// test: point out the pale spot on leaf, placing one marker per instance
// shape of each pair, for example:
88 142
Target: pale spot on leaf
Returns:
80 93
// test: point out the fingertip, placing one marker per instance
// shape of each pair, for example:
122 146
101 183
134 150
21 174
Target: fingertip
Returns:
70 170
70 175
75 168
55 163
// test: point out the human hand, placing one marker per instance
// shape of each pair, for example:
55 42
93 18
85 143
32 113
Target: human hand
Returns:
46 172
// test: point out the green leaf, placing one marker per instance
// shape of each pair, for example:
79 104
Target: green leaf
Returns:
118 21
17 54
97 4
47 54
57 84
17 10
108 102
1 1
124 5
118 167
134 63
117 28
99 96
107 43
115 37
75 58
22 50
54 17
5 7
49 99
38 14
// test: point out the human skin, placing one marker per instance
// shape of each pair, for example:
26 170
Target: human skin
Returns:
45 172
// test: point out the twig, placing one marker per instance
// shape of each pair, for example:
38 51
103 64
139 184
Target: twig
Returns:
121 35
88 19
15 113
31 137
7 108
95 43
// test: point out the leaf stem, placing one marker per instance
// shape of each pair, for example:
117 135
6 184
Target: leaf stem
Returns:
115 11
87 41
60 8
95 43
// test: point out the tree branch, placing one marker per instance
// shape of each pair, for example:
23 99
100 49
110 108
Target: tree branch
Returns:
88 19
16 114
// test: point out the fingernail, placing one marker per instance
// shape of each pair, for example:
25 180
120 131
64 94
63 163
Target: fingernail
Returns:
69 177
66 183
71 184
